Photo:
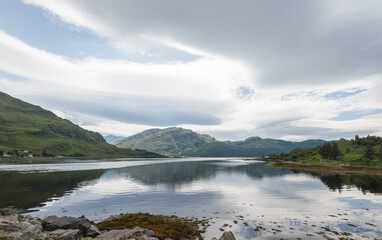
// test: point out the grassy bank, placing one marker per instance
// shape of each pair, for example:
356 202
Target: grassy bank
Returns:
357 153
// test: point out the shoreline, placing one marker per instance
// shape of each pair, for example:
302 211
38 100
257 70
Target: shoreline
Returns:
343 169
57 159
14 224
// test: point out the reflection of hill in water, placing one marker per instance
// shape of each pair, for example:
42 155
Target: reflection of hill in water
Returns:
183 172
364 183
31 190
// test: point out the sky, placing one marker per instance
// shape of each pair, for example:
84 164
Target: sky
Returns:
291 70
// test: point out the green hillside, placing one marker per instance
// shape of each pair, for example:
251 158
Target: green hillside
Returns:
169 141
365 151
24 126
183 142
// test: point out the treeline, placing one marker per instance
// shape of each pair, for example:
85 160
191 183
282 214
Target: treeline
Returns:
367 141
361 149
329 150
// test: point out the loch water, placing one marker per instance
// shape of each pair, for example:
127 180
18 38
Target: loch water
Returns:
247 197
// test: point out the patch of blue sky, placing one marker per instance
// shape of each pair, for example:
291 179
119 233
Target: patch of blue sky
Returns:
11 77
291 96
343 94
39 29
357 203
244 92
353 115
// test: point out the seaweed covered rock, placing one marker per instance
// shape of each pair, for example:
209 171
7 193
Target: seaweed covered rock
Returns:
164 226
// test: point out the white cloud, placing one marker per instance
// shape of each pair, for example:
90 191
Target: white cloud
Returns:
256 74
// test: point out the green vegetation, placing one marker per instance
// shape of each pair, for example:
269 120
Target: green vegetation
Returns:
28 129
163 226
366 151
183 142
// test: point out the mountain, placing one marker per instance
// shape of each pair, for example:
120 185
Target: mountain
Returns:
170 141
24 126
183 142
112 138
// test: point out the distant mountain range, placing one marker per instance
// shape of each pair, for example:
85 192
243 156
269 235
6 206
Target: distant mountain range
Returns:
112 138
24 126
184 142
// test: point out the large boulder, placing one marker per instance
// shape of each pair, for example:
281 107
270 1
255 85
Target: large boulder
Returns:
227 236
85 228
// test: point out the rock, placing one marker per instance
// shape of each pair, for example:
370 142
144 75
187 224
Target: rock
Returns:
227 236
93 231
116 234
9 227
149 232
52 223
64 234
33 228
29 236
10 219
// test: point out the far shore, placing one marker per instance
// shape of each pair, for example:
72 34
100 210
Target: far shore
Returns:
324 168
58 159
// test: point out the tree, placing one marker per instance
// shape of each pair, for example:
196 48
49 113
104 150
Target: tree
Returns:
329 150
356 139
368 153
1 153
334 151
380 153
44 153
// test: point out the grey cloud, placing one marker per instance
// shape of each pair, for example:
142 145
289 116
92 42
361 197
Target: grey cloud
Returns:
154 111
289 42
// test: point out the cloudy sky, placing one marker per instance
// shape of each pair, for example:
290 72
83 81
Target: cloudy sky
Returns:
292 69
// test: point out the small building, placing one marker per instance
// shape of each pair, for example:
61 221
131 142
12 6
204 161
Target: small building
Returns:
30 156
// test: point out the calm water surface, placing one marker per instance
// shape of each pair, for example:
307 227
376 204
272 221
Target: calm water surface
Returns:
235 194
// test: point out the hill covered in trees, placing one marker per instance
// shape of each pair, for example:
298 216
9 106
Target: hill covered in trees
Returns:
365 151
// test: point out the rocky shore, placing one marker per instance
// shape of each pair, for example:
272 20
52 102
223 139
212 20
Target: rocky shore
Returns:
16 226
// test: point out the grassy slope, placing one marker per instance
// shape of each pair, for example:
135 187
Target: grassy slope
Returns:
24 126
184 142
170 141
350 154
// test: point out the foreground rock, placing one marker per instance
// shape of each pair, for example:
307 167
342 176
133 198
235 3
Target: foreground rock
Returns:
227 236
19 227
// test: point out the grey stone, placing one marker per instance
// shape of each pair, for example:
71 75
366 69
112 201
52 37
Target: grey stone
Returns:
64 234
116 234
93 231
227 236
34 228
9 227
52 223
29 236
149 232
